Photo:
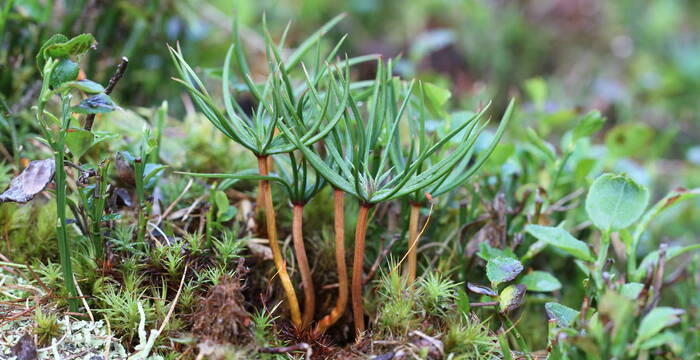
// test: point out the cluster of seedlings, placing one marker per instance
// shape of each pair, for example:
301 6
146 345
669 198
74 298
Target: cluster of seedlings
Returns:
322 128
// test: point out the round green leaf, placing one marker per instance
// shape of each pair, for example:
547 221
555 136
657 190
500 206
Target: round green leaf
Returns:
540 281
501 269
615 202
66 70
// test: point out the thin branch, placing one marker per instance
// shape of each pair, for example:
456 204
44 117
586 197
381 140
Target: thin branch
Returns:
287 349
90 119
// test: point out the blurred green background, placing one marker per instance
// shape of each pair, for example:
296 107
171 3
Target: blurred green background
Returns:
638 62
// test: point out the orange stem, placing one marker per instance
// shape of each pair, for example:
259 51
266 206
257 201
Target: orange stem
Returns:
413 243
306 281
274 245
358 257
342 301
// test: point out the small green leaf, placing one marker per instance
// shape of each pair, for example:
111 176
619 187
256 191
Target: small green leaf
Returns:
540 147
101 136
98 104
151 171
501 269
436 98
653 258
79 141
615 202
40 57
87 86
224 212
656 320
540 281
631 290
75 46
65 71
487 252
462 302
668 338
511 298
564 315
560 238
590 123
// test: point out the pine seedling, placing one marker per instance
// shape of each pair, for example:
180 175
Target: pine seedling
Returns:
258 132
361 166
464 168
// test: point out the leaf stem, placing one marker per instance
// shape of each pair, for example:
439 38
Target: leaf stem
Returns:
274 245
61 199
602 256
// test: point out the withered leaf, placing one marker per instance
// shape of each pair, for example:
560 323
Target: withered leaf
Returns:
480 289
30 182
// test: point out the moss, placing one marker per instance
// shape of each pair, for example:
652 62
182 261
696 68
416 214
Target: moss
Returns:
30 230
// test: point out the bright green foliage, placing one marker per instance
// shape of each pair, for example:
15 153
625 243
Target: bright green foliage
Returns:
561 239
46 327
468 339
120 306
615 202
540 281
436 293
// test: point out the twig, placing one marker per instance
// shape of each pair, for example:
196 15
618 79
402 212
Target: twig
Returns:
82 298
177 296
90 119
177 200
659 277
378 260
38 280
287 349
480 304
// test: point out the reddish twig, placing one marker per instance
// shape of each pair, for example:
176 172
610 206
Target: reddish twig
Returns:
90 119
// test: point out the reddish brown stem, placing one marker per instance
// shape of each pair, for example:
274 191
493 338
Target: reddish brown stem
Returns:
413 243
358 257
274 245
90 119
304 269
342 301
